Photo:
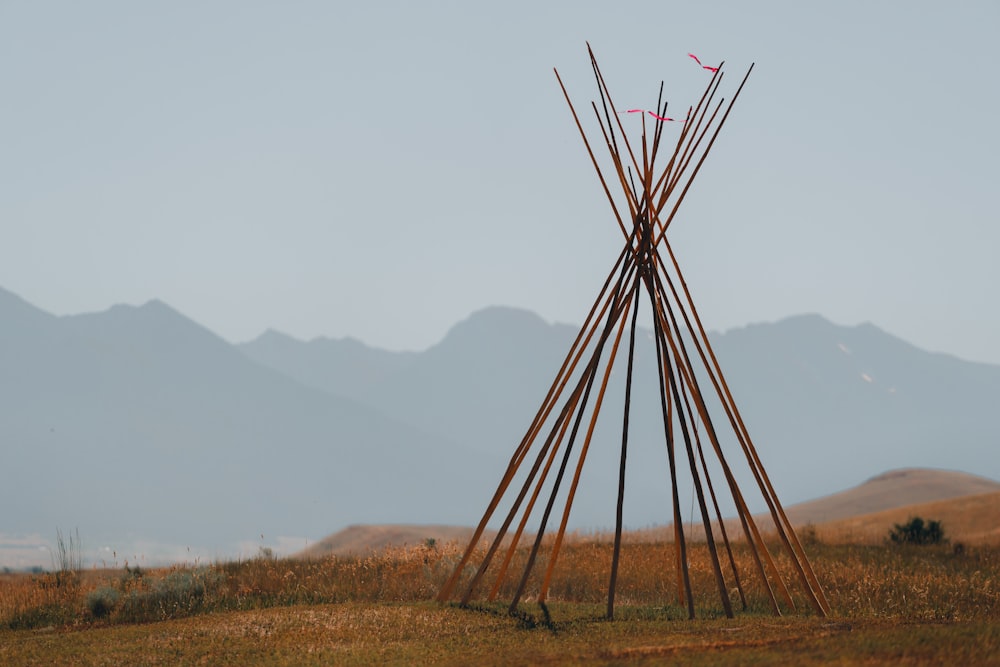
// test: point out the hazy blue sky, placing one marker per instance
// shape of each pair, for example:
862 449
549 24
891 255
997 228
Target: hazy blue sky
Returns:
383 169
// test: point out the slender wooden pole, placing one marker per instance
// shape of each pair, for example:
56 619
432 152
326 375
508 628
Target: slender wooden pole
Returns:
785 531
588 438
613 315
701 160
680 544
498 539
511 550
758 548
590 152
696 479
569 365
622 461
586 332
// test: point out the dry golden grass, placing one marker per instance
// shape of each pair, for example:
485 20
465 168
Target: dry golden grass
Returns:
918 605
871 582
57 592
890 603
423 633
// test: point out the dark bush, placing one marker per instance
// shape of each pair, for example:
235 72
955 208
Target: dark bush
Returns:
915 531
100 602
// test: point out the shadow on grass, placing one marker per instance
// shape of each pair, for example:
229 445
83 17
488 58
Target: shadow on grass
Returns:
525 620
573 614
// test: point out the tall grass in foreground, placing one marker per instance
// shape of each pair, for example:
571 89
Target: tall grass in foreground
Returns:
863 582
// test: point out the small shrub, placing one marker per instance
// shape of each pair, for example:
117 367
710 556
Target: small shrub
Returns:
49 615
101 601
179 593
131 578
915 531
808 535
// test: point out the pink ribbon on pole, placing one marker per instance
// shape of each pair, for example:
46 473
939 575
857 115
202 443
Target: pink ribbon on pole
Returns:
667 118
710 69
657 117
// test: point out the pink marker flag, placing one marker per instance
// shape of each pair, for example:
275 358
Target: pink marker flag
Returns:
654 115
710 69
673 120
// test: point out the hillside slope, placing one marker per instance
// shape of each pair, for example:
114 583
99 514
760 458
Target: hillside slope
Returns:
861 510
968 504
361 540
969 520
889 491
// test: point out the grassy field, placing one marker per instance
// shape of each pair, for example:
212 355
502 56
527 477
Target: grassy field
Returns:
891 605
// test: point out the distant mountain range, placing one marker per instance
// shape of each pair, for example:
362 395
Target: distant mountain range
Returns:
827 405
151 434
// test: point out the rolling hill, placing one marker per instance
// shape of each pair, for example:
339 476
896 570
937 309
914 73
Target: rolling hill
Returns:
890 491
361 540
969 520
968 506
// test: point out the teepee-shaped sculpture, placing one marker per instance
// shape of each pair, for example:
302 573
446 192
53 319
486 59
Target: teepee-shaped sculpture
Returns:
555 447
